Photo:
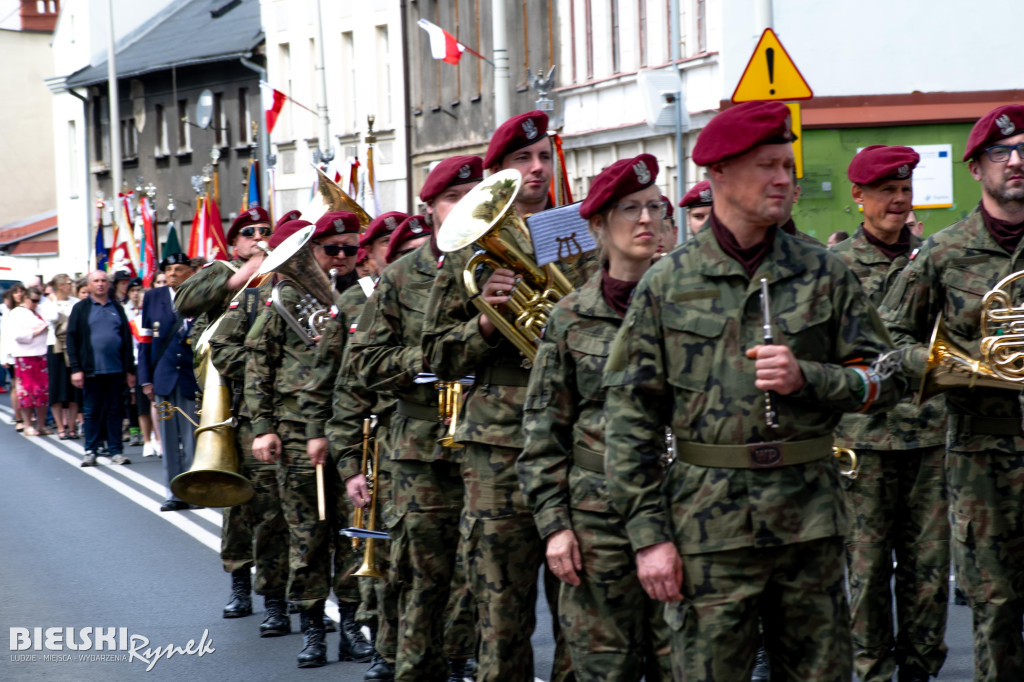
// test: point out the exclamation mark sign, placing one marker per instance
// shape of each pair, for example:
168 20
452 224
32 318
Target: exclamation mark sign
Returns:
769 55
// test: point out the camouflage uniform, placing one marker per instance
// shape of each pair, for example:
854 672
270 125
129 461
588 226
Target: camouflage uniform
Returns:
754 541
610 623
502 548
896 505
948 277
427 488
267 526
344 430
279 370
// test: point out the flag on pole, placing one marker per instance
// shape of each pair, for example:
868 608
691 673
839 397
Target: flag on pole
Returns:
216 247
353 177
172 245
443 44
198 236
273 103
372 203
561 191
148 246
253 180
131 248
101 247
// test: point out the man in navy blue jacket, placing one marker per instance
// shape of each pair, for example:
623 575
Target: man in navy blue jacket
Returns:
165 370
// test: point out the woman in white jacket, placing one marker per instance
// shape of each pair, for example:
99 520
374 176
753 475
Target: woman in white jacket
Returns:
27 330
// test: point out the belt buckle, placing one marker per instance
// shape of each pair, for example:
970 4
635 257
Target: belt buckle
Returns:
765 455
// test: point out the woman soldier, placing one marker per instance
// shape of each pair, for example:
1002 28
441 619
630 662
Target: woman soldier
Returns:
614 630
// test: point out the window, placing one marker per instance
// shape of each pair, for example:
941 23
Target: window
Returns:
641 19
101 130
184 134
383 78
161 148
588 19
219 121
702 27
129 139
73 160
284 121
348 81
245 132
616 51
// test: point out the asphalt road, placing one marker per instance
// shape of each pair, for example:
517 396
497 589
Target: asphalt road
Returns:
89 548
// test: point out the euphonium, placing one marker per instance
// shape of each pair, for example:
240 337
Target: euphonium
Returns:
486 216
449 403
1001 364
294 259
849 467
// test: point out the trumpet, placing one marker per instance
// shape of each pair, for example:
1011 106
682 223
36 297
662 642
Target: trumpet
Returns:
364 521
449 404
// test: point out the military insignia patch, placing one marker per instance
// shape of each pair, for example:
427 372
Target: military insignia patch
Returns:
903 172
705 194
254 214
464 172
913 254
334 311
233 305
643 173
390 222
529 129
1005 125
339 225
415 227
352 329
440 262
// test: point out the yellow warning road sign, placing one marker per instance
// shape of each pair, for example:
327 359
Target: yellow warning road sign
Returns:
771 74
797 128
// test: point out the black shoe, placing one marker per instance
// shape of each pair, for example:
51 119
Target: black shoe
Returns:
240 603
911 673
173 505
276 623
959 598
381 670
460 669
353 646
329 624
314 648
762 666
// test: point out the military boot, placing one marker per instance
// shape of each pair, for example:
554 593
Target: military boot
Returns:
460 669
353 646
380 671
314 648
241 597
276 623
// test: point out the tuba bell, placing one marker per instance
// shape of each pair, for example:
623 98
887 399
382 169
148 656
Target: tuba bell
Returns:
486 216
331 197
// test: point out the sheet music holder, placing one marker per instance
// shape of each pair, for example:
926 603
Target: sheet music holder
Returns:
559 233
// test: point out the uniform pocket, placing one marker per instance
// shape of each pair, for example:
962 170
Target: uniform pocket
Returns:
962 310
691 339
590 354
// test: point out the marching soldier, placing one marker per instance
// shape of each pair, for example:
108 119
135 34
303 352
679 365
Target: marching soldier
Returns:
427 487
205 297
898 502
746 524
288 425
697 203
947 279
613 629
501 542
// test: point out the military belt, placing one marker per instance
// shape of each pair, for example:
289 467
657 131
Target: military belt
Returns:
755 455
502 375
420 411
588 459
987 426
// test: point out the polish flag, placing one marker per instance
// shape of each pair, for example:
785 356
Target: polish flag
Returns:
273 104
443 44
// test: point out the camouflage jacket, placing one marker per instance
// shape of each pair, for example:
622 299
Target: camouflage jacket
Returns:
454 348
386 355
904 427
350 402
205 295
565 410
679 361
281 371
951 273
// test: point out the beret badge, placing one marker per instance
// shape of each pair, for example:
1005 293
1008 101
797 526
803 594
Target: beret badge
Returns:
643 174
529 129
464 172
1005 125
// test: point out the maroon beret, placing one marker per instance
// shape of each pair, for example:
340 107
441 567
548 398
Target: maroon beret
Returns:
880 161
1001 122
381 226
699 195
669 211
250 216
623 177
361 255
517 132
411 228
294 214
739 129
286 230
455 170
336 222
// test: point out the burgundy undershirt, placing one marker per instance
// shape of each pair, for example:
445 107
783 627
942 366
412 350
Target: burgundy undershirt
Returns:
789 227
1007 235
616 292
898 248
750 257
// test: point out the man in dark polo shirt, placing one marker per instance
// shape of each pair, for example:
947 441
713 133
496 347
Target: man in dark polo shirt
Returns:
99 347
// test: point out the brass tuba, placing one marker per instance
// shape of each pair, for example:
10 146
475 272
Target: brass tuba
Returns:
486 216
950 366
331 197
294 259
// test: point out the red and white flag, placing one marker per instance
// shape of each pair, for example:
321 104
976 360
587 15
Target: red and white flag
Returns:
274 101
443 44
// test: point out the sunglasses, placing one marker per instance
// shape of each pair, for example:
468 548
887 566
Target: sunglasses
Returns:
250 231
35 300
335 249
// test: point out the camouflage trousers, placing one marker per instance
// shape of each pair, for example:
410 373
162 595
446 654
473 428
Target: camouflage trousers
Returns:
503 553
255 531
987 517
614 631
309 542
435 616
898 507
378 607
346 559
796 590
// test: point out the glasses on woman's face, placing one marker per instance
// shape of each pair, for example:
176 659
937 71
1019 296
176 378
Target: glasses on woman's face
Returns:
632 210
334 249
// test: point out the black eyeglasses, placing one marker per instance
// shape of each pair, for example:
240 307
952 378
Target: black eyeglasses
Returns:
35 300
251 230
1001 152
335 249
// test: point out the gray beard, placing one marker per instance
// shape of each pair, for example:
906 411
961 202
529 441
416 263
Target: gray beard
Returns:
1002 195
